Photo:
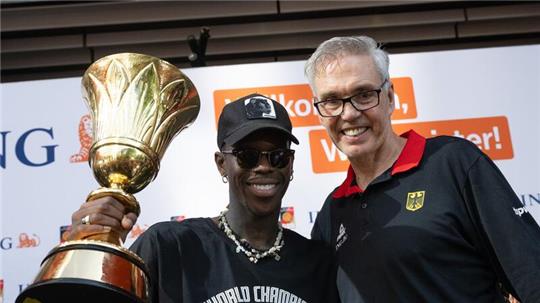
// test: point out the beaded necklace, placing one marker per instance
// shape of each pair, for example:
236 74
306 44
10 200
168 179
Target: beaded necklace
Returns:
254 255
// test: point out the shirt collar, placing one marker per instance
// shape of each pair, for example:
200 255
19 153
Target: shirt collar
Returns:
408 159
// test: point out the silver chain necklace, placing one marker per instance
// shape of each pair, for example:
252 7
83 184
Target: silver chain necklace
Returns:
254 255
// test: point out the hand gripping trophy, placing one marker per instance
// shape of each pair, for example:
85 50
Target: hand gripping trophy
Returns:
138 104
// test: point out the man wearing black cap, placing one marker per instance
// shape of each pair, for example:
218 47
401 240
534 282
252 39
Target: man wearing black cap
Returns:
243 255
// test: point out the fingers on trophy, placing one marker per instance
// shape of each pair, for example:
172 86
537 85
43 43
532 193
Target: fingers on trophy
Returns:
101 216
138 104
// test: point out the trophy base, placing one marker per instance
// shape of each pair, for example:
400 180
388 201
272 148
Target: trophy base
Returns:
66 290
88 271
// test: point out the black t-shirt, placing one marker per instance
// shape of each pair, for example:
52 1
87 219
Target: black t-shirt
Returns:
442 225
193 261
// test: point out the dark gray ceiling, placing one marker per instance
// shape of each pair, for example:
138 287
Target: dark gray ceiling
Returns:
47 39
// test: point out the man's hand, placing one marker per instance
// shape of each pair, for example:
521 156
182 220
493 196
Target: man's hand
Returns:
104 214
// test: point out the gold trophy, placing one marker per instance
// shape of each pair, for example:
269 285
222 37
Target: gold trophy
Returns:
138 104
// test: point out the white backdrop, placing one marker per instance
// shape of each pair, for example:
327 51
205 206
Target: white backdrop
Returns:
491 96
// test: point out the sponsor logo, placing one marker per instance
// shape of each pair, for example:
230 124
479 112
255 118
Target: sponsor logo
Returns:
179 218
415 200
286 216
137 230
29 147
530 199
6 243
85 140
342 236
312 216
520 211
24 241
23 287
64 233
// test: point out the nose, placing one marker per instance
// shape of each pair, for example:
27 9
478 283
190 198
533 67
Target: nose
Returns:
264 163
349 112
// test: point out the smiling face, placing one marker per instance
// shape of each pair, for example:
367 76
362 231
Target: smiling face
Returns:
355 133
257 191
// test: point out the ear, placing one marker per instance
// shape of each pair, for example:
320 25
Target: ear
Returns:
390 95
291 165
220 163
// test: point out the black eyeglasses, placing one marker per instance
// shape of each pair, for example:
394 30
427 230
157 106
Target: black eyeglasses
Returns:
362 101
249 158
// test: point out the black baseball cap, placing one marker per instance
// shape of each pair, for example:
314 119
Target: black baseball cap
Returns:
250 113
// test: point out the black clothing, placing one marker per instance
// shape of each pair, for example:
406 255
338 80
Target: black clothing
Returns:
441 225
194 261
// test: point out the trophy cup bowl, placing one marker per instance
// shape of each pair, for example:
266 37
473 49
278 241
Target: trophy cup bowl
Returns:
138 104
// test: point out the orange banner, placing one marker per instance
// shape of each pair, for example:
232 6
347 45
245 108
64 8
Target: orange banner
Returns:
404 99
298 100
325 157
490 134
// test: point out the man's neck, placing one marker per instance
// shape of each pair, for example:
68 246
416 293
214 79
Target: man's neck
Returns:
260 232
369 167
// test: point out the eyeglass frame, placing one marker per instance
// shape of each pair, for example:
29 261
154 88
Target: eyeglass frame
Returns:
349 100
234 152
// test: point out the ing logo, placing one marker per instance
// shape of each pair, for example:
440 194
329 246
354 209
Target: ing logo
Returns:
85 139
26 240
286 216
415 200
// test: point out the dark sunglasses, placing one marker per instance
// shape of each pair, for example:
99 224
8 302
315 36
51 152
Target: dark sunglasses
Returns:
249 158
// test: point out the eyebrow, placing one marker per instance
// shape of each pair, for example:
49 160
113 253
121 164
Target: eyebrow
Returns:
358 89
328 95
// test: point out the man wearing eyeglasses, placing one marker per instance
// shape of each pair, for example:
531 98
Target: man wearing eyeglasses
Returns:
416 219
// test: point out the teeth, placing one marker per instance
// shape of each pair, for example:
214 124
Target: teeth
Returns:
354 131
264 186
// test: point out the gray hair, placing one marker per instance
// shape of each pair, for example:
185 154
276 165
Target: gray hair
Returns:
332 49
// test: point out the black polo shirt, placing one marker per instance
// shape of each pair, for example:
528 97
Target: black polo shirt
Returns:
441 225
